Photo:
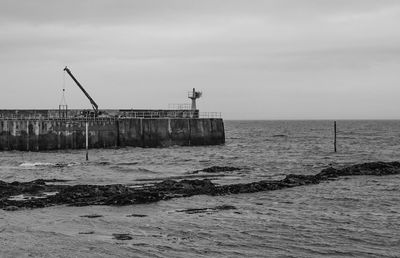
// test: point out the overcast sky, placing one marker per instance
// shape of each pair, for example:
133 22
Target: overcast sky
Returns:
282 59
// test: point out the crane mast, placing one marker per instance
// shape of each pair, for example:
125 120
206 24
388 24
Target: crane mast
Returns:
94 105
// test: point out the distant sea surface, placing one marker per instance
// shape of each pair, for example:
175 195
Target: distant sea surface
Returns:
348 217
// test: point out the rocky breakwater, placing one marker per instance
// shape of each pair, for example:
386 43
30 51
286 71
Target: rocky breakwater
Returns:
40 193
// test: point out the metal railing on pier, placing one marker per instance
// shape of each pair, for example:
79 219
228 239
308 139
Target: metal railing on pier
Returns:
210 115
179 106
160 114
57 118
178 114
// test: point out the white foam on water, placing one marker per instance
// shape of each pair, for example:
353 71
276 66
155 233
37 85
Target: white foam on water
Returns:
36 164
46 164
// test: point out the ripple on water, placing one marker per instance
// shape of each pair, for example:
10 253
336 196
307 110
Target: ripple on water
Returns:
350 217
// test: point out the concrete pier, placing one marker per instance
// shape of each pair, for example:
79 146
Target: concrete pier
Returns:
46 133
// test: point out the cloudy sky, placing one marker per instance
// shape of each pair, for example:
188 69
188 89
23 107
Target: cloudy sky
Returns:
282 59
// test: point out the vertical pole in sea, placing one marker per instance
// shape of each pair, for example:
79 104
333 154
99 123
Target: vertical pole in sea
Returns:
334 139
87 140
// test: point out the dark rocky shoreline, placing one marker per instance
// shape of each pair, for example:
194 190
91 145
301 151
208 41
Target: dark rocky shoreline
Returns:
39 193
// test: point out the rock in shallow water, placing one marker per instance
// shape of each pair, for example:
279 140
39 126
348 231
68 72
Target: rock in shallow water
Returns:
91 216
137 215
206 210
216 169
122 236
86 233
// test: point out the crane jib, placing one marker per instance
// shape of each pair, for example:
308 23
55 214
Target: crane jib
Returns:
94 105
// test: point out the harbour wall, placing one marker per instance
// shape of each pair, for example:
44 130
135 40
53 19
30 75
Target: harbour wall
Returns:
41 134
79 113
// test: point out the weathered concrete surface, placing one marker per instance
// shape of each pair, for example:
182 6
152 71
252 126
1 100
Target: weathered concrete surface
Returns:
130 132
52 134
81 195
180 131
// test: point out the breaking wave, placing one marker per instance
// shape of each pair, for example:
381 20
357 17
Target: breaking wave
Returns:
46 164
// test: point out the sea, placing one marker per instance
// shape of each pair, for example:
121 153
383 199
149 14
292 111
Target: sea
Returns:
349 217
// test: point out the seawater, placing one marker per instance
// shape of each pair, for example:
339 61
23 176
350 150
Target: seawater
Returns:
354 216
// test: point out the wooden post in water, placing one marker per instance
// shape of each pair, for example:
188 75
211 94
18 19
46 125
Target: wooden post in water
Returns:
334 139
87 141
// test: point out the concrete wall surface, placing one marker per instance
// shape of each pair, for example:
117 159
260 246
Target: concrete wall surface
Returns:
52 134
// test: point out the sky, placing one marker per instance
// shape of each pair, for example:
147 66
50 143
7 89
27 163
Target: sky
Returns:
281 59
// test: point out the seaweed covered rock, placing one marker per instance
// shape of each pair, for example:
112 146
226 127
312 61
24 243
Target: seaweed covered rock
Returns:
296 180
366 169
186 186
372 168
14 188
117 194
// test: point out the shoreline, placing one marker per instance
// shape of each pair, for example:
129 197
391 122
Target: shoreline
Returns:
39 193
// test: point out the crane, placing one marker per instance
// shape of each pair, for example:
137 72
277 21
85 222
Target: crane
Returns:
94 105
